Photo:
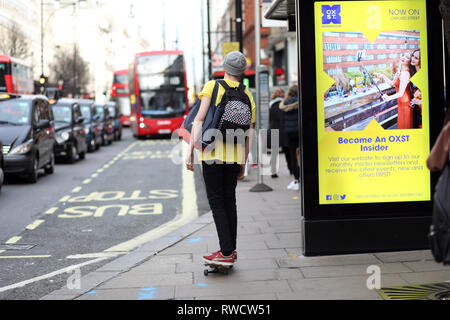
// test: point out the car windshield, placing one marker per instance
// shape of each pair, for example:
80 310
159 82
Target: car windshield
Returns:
14 112
100 112
112 111
86 113
62 113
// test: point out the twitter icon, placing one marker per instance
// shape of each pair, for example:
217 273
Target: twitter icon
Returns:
343 197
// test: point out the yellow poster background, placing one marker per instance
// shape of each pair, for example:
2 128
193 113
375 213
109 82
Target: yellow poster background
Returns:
399 173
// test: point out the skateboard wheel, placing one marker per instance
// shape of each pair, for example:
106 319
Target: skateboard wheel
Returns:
206 272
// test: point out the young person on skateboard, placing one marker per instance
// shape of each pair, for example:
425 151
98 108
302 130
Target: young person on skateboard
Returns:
224 165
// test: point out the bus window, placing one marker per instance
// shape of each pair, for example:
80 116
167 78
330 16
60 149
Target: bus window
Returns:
3 73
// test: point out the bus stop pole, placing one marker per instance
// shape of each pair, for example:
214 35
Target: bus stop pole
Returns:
260 186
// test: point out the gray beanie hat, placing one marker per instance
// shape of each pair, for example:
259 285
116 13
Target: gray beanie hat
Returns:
235 63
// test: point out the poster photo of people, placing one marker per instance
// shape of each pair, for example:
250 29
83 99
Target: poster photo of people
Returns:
372 80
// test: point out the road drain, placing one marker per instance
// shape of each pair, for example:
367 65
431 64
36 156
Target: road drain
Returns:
16 246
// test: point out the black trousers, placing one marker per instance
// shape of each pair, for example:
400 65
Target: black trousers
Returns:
293 141
221 181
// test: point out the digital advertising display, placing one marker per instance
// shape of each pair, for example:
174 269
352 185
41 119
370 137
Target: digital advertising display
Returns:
373 125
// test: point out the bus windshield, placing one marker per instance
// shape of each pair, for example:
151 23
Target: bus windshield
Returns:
121 78
3 73
161 85
14 112
159 63
162 102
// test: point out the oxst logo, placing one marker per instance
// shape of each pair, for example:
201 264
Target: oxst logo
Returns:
331 14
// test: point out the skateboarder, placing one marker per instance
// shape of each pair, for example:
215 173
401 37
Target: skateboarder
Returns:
223 166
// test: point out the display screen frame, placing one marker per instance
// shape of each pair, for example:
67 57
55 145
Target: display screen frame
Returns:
311 209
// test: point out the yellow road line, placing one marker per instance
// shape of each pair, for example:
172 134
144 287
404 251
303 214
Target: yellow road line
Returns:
94 175
76 189
189 212
13 240
64 199
35 224
51 210
87 181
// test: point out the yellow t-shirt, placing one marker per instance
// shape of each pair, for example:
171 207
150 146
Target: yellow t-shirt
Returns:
223 151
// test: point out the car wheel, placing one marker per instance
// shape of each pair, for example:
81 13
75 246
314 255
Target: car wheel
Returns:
33 176
50 167
73 154
91 146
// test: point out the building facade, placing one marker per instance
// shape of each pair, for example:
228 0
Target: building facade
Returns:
25 14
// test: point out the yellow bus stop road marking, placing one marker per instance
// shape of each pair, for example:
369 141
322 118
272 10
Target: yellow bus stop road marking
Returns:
189 213
13 240
51 210
76 189
35 224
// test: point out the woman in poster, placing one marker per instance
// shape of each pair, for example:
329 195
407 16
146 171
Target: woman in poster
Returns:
416 101
401 82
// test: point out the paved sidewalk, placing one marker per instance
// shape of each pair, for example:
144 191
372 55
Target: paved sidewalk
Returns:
269 266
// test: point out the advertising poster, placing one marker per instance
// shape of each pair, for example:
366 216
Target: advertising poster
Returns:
372 101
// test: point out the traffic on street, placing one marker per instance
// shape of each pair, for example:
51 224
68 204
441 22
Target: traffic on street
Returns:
97 209
224 150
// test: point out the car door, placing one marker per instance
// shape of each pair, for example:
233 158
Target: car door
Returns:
47 146
38 134
50 131
78 128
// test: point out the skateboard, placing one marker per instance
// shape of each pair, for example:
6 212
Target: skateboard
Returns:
216 268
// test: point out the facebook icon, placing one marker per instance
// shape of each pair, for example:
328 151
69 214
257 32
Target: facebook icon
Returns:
331 14
328 197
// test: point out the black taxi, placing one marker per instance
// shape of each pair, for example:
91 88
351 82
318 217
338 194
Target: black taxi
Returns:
70 130
28 135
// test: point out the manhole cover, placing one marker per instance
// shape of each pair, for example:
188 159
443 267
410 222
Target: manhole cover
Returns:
16 246
431 291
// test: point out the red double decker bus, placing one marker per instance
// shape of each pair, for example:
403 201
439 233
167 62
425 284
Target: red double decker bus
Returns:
16 76
158 92
121 95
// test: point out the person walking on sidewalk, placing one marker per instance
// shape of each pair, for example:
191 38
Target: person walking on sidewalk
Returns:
275 124
223 166
289 123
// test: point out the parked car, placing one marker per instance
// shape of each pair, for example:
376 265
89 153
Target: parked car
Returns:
2 175
70 130
108 128
92 123
114 112
28 135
